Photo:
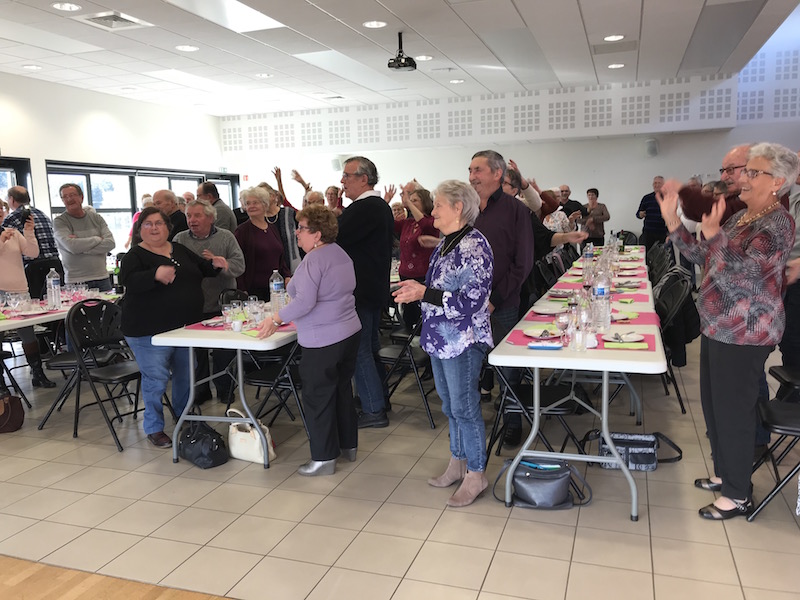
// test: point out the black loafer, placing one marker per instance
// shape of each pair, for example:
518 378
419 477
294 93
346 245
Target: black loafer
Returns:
742 509
707 484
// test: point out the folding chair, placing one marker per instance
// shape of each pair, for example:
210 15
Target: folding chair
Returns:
669 298
94 328
782 419
405 358
628 238
4 355
283 380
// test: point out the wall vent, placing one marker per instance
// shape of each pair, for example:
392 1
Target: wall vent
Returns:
112 21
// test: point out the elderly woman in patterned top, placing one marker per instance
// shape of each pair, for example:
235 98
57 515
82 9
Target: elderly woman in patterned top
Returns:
741 313
456 331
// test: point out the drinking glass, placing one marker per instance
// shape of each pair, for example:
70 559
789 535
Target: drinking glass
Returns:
227 313
13 300
563 322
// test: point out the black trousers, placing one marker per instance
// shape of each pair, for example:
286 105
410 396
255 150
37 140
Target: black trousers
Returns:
220 360
729 387
651 237
328 397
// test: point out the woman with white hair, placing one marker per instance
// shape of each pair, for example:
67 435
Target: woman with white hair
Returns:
741 313
261 244
456 331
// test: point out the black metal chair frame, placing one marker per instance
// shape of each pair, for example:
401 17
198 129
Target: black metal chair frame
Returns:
782 419
94 326
6 370
405 358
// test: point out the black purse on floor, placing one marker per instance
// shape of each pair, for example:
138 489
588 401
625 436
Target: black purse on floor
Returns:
545 484
201 445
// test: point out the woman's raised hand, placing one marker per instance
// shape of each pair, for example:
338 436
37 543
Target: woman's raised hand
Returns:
710 223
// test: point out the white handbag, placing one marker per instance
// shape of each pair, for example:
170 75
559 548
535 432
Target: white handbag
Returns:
244 442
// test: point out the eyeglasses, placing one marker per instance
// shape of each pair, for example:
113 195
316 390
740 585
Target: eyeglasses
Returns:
72 195
730 170
303 228
346 175
753 173
153 224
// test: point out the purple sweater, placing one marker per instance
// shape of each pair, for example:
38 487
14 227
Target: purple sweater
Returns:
322 304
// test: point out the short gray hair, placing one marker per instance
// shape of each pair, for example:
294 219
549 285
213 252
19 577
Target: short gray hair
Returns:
782 162
208 209
259 193
454 192
496 160
365 167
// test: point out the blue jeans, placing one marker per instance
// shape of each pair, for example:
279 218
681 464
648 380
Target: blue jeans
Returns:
457 385
369 382
155 363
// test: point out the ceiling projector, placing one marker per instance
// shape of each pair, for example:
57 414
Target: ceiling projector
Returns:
401 62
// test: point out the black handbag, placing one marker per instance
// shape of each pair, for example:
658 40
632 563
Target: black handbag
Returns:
638 450
545 484
201 445
12 415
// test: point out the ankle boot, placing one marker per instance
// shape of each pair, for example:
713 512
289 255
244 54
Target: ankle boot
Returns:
456 469
473 485
348 454
38 378
318 467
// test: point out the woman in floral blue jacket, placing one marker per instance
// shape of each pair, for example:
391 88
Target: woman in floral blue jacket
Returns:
456 331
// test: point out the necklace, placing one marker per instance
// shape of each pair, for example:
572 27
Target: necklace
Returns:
454 241
274 219
745 220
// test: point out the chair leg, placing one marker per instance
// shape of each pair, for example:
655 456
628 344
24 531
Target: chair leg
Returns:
422 393
69 385
15 385
675 385
775 491
105 416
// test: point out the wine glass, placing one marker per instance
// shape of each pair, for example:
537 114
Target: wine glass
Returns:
563 321
227 314
14 300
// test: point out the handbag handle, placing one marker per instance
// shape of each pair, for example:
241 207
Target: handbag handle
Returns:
672 445
236 413
587 498
594 434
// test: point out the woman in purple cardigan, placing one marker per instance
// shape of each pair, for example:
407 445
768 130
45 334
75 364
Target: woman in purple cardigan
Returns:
322 307
456 332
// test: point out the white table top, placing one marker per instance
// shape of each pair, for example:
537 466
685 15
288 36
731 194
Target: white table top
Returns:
48 317
626 361
219 338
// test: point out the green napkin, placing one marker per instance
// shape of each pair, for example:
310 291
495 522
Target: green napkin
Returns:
627 315
626 300
551 299
625 345
572 279
251 332
2 317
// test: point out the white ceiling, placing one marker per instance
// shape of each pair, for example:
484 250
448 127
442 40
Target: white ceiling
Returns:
320 55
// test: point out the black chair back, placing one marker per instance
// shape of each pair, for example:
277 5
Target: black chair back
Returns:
94 324
227 296
628 238
36 273
670 295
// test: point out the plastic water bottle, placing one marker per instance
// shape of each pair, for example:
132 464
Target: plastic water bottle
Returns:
53 280
277 291
601 299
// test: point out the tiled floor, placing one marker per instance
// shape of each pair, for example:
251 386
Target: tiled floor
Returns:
375 529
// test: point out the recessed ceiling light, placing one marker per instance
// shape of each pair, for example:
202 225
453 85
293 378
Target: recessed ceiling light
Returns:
374 24
32 67
264 75
66 6
614 38
616 65
423 58
187 48
456 81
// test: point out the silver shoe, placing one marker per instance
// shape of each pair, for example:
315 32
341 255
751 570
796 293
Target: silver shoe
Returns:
318 467
349 454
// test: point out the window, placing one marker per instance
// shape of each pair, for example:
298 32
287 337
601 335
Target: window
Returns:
8 179
115 192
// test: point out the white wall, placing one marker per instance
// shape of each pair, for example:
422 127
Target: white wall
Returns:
46 121
618 167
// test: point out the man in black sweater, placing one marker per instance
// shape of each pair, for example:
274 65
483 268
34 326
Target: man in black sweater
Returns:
366 230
